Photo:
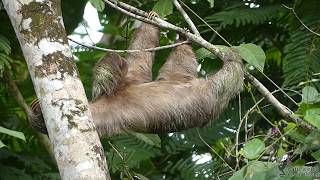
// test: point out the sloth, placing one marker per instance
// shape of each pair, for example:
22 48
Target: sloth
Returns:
126 99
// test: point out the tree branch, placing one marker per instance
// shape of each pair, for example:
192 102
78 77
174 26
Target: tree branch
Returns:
126 9
14 90
141 15
296 15
130 50
186 18
282 109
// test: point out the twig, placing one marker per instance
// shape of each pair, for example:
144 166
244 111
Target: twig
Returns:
208 25
85 28
118 153
213 150
14 90
186 18
130 50
124 8
237 137
278 88
231 45
295 14
164 24
122 158
283 110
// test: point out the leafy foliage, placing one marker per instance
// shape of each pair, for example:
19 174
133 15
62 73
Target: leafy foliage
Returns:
5 51
245 15
302 56
248 141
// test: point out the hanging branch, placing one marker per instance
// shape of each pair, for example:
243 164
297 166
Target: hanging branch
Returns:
142 16
304 25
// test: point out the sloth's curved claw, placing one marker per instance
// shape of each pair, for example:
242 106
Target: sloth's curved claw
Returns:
152 15
37 121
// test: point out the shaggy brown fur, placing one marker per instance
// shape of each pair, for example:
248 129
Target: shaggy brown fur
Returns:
127 100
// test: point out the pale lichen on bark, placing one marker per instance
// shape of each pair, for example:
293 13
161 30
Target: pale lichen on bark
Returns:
40 30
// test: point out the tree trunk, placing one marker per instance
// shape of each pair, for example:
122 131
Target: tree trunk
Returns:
40 30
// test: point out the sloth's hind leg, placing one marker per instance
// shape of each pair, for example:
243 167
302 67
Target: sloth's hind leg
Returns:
181 65
140 63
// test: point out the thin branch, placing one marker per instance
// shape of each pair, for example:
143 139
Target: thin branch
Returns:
208 25
130 50
164 24
192 26
237 135
296 15
85 28
14 90
278 87
186 18
213 150
231 45
283 110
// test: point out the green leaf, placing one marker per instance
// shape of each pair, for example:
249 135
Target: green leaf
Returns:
256 170
310 95
253 149
316 155
252 54
9 132
211 2
1 144
152 139
163 8
294 133
5 45
281 152
98 4
313 117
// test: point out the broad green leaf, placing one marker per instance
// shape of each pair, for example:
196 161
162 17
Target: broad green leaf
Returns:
211 2
281 152
256 170
294 133
163 8
313 117
316 155
252 54
9 132
310 95
311 142
252 149
1 144
98 4
152 139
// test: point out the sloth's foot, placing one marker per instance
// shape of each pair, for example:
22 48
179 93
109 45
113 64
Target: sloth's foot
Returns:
152 15
37 121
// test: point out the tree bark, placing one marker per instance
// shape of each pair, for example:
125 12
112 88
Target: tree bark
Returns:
39 27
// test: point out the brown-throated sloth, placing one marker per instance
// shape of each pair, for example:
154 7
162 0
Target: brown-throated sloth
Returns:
126 99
